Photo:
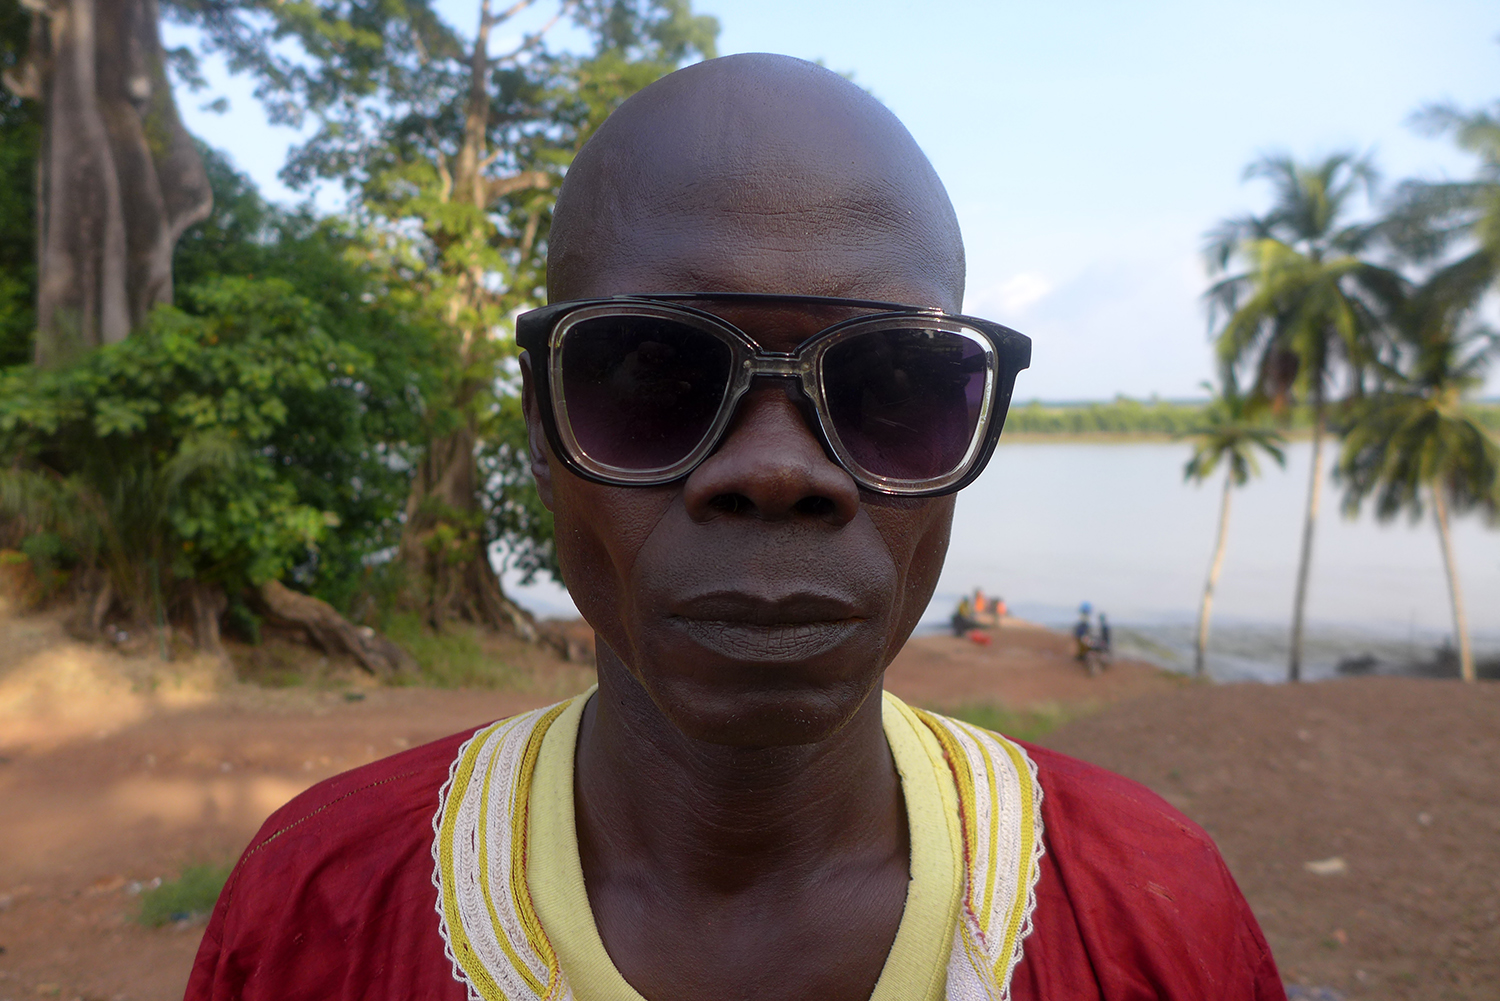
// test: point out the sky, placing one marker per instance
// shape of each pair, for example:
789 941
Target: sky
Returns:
1087 146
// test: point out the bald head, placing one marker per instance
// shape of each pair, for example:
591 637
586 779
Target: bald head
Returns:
755 173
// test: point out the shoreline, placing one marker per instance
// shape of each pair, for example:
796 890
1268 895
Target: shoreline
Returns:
1116 437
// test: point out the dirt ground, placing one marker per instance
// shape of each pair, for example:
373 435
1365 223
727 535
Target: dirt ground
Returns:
115 771
1361 818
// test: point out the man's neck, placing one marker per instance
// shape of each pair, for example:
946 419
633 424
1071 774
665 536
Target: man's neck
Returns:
730 872
656 804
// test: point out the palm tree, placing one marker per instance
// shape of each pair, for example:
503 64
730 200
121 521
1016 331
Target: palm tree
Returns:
1427 218
1230 434
1302 306
1414 442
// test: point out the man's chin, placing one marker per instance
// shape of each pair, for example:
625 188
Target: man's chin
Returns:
776 712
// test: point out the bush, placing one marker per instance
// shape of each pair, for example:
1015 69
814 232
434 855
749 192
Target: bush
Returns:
155 457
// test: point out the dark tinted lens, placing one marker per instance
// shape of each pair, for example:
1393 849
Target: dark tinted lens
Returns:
642 391
905 402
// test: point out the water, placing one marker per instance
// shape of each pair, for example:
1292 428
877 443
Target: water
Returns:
1049 525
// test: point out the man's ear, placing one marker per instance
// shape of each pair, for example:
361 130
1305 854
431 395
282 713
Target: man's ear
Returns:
536 437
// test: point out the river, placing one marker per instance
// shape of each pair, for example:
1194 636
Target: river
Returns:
1052 524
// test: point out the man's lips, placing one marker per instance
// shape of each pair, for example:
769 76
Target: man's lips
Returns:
766 630
747 609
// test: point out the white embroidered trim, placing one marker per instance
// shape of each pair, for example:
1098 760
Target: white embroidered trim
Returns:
995 918
437 866
482 853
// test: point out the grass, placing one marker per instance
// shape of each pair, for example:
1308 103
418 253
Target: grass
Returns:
188 896
453 658
1022 724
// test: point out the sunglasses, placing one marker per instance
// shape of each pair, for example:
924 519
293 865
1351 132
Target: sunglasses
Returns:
638 390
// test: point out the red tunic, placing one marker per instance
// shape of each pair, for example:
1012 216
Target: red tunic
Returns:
333 900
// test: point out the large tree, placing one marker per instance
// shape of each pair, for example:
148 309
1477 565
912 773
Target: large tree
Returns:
455 151
118 177
1301 305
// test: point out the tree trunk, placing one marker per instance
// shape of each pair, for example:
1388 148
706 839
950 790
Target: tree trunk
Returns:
1304 563
443 545
119 177
444 548
209 603
1455 593
1200 659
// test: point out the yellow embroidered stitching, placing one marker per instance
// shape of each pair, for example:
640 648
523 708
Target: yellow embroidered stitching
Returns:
520 967
463 952
520 891
1028 845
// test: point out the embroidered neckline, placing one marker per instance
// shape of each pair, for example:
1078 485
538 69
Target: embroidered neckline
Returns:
500 952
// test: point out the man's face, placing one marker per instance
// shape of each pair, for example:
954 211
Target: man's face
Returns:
759 600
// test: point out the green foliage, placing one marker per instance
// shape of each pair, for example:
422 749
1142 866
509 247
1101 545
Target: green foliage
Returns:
1428 220
52 560
1306 299
158 454
513 510
1486 415
1415 435
191 895
20 142
349 450
1232 433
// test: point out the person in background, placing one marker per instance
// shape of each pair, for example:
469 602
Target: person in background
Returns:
963 618
1083 631
1105 645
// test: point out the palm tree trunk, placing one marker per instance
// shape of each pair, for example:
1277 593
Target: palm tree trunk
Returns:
1201 654
1460 619
1304 563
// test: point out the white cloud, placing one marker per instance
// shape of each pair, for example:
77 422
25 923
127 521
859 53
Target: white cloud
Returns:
1014 295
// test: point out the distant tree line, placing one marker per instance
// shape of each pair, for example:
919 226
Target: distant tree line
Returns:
1127 417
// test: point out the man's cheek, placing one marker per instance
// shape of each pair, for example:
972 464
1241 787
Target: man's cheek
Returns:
599 532
917 536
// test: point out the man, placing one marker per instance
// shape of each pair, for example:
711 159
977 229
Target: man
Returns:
753 493
1083 632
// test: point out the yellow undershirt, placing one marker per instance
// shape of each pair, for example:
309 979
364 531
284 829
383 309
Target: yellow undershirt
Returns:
917 965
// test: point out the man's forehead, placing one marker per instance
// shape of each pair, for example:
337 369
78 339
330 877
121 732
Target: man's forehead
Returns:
884 256
760 174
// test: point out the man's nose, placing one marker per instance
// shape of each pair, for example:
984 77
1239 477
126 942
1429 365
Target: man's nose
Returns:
771 466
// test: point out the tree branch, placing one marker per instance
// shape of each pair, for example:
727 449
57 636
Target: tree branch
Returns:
532 40
499 187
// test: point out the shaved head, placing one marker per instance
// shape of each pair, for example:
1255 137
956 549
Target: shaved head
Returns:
755 173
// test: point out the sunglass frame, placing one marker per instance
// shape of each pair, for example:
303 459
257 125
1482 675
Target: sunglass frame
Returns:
540 333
